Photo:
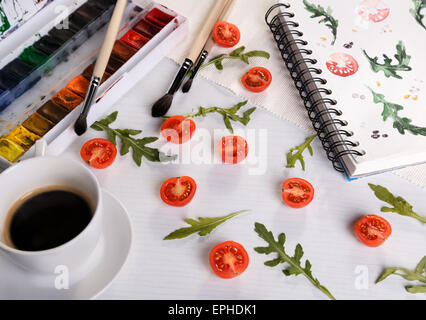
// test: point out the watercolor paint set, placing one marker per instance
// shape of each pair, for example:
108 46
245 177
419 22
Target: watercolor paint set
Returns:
44 81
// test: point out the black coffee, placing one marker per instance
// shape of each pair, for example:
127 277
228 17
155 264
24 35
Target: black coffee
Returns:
48 220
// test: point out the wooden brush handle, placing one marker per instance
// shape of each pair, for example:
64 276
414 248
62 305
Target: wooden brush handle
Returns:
206 29
228 9
110 38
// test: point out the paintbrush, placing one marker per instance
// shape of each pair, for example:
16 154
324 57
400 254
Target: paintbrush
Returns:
203 56
207 48
80 125
163 105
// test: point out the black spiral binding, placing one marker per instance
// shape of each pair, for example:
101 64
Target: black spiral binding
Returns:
324 118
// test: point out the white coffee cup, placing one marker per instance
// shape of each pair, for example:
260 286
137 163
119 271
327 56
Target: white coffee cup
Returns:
36 173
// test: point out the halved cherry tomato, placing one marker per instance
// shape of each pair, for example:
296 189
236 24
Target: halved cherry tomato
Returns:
98 153
342 64
257 79
228 259
226 34
178 129
179 191
373 10
373 230
233 149
297 193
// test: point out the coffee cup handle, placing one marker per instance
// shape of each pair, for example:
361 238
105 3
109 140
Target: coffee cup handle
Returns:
41 148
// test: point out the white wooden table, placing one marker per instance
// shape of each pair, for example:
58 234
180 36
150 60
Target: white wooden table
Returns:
179 269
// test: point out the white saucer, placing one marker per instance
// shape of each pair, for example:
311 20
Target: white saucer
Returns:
90 279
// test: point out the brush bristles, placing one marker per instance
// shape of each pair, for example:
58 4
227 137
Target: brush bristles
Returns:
187 86
80 126
163 105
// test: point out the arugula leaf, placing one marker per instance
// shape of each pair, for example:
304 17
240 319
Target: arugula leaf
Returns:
128 142
292 157
406 274
203 226
389 69
421 266
228 115
329 21
419 5
295 267
419 274
400 206
237 54
390 110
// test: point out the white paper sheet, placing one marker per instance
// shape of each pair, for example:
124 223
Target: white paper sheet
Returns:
179 269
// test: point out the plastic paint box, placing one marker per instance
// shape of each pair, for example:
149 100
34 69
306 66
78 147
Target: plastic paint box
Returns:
75 56
67 48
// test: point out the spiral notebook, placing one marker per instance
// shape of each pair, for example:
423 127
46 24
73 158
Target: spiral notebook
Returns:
359 67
